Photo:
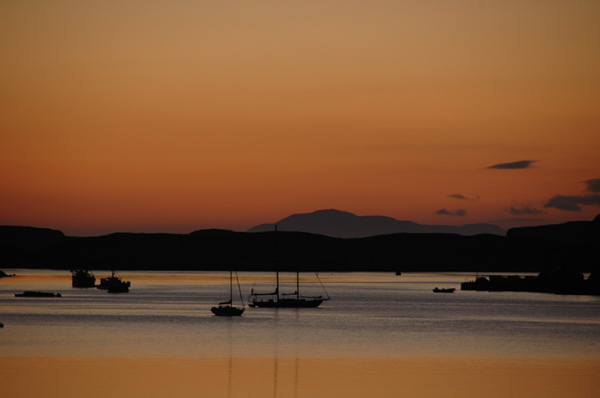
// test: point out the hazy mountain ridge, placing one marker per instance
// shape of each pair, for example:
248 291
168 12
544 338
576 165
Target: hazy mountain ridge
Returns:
343 224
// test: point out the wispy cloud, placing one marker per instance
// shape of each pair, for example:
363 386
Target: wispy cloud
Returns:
593 185
462 197
457 213
572 203
527 210
521 164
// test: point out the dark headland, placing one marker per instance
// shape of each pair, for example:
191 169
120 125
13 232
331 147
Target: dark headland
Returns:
575 245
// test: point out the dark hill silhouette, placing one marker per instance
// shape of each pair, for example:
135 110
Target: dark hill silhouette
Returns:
28 236
523 249
343 224
20 242
583 232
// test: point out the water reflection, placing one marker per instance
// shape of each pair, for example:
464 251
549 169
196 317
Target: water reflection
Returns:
379 316
275 349
381 335
279 374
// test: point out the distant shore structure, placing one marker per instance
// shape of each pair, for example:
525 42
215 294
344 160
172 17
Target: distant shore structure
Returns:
559 280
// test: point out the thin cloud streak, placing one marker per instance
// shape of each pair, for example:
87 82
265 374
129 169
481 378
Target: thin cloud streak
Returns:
521 164
593 185
572 203
458 196
528 210
462 197
456 213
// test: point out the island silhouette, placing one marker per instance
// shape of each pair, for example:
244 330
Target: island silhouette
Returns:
530 249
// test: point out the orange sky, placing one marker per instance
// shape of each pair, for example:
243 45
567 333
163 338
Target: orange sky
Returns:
182 115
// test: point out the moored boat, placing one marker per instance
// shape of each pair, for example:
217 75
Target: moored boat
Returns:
227 308
449 290
114 284
29 293
285 300
289 300
82 278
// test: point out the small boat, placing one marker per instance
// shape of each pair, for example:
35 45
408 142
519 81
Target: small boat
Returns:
5 275
114 284
29 293
83 278
449 290
227 308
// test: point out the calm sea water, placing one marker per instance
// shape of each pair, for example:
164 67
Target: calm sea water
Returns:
167 314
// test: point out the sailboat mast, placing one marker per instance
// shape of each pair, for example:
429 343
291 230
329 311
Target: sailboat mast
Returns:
298 285
277 290
231 287
277 262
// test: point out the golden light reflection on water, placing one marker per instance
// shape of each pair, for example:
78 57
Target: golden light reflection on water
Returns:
254 375
38 279
293 377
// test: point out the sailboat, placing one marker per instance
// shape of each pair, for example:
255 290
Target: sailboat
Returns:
287 300
227 308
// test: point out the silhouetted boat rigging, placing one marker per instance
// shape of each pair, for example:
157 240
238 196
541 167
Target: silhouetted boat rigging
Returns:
287 300
82 278
114 284
227 308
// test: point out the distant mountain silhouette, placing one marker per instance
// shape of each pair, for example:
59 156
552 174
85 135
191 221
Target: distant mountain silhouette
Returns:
342 224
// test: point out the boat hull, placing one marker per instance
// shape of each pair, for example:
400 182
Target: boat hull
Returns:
37 294
227 311
436 290
289 303
118 289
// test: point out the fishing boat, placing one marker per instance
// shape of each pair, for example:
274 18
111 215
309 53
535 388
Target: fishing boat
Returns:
227 308
287 300
114 284
29 293
438 290
83 278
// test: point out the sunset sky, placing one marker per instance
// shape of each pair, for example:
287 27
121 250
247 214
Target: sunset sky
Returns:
173 116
